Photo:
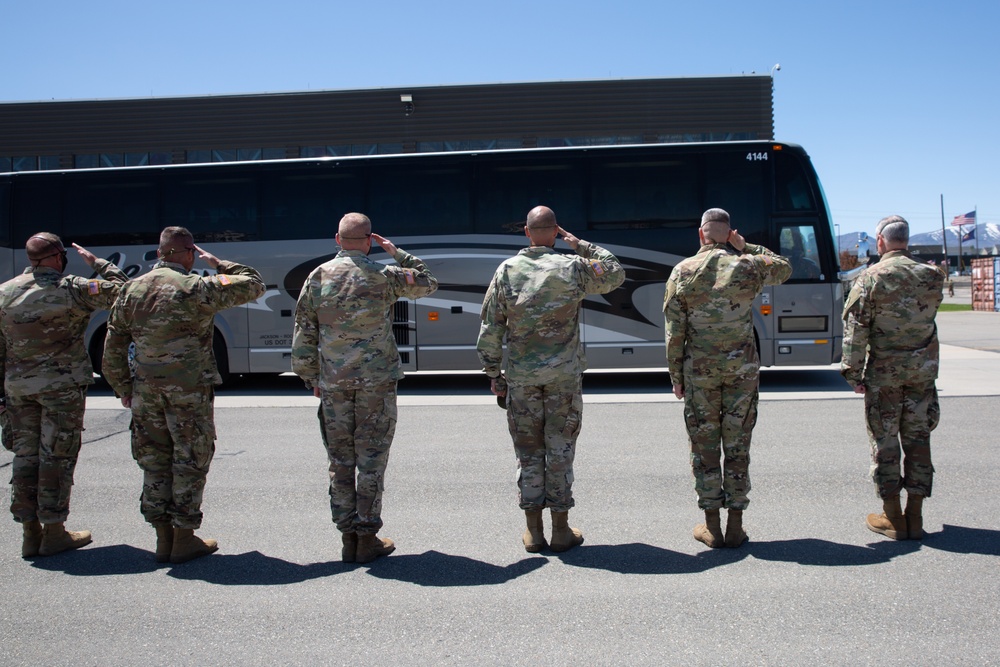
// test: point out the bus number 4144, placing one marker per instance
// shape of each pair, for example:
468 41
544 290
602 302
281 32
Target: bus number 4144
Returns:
755 157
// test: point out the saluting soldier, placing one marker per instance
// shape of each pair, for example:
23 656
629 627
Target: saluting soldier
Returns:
891 356
713 364
344 350
533 304
168 314
45 370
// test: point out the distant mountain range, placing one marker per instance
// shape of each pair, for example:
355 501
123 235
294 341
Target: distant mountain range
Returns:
988 235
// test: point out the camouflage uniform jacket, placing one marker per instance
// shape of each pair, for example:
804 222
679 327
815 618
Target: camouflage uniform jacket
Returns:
706 308
889 331
534 299
43 316
169 314
343 329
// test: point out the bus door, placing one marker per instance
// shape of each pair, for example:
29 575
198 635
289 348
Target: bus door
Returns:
800 329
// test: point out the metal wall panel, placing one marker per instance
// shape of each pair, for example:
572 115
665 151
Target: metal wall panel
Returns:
649 108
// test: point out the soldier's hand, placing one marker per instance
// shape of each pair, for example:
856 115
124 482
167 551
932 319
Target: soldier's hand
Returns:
317 392
736 240
126 401
570 240
498 386
87 256
386 244
679 391
208 257
860 389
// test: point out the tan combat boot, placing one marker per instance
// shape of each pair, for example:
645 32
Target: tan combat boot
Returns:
710 532
914 516
188 546
564 538
56 539
891 522
350 549
534 536
32 538
735 535
371 546
164 541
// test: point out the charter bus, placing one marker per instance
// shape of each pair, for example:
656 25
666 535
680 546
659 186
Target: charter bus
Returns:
462 213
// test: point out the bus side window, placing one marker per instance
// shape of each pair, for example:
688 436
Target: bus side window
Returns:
5 241
798 244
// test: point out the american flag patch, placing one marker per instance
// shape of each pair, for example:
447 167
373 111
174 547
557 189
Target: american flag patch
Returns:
94 287
224 279
411 277
598 268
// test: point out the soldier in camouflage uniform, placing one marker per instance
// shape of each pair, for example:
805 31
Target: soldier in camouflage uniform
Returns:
891 356
169 314
45 371
343 349
713 365
534 302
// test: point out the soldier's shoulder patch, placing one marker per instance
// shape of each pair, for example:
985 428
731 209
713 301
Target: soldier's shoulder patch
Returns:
94 286
597 267
410 276
767 259
223 279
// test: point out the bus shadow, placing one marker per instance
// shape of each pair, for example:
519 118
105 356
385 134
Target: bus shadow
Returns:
775 380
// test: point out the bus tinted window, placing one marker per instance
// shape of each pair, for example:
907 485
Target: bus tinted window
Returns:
111 211
644 193
307 204
791 187
739 185
213 209
420 200
507 191
37 207
5 214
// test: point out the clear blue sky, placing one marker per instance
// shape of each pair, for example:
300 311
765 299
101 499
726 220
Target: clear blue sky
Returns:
896 102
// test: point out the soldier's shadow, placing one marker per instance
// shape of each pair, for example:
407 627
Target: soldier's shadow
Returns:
638 558
962 540
822 553
99 561
433 568
253 569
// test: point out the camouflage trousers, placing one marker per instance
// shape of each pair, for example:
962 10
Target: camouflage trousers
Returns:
357 426
173 441
544 423
6 430
46 430
902 416
720 414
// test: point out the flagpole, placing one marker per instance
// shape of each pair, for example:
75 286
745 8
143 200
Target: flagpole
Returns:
944 242
975 226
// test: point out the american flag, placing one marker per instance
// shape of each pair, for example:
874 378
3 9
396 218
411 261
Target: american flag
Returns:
967 219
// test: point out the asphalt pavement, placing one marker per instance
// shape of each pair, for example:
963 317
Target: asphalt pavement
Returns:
812 586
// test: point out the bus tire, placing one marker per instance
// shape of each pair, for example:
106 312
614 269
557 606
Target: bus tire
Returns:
221 356
96 352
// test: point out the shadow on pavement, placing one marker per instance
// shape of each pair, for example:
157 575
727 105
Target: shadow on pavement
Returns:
433 568
637 558
93 561
253 569
810 551
962 540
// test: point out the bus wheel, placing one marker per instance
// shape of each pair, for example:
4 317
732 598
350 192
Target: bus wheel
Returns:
221 356
96 352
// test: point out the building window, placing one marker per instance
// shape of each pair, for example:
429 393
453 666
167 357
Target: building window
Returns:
5 164
199 156
334 151
49 162
25 163
312 151
390 149
364 149
224 155
112 160
160 158
85 161
136 159
274 153
247 154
